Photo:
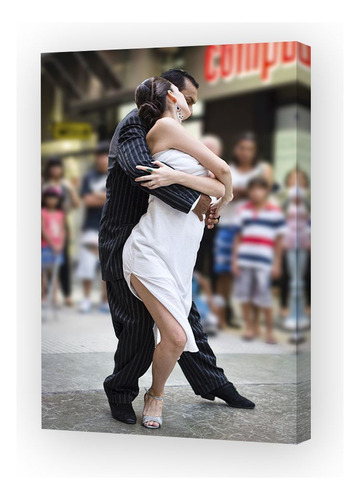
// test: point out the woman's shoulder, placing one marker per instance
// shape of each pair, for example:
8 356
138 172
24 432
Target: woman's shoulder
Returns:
164 123
161 133
167 121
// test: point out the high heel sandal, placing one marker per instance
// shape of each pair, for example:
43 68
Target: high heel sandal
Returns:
149 418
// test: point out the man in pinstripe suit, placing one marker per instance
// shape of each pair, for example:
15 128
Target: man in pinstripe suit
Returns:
126 202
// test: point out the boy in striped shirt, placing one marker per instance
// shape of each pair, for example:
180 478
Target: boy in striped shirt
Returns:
256 257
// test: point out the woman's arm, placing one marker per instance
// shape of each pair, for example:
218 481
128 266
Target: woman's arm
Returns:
166 176
130 149
74 197
206 185
168 133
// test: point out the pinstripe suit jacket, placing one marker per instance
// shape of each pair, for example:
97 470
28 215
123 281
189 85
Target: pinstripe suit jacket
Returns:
127 200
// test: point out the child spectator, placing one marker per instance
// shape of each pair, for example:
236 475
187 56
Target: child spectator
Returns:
54 176
256 256
206 303
245 166
296 255
52 236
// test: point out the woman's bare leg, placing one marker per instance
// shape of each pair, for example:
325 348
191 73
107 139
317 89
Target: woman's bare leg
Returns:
168 350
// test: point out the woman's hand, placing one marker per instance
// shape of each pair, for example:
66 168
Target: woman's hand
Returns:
220 204
158 177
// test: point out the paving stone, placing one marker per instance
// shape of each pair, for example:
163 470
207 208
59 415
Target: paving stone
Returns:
188 416
78 353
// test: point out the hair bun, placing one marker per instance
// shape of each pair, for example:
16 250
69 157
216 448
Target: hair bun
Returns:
150 98
150 112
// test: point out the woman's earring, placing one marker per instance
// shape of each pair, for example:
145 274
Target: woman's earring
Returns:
179 113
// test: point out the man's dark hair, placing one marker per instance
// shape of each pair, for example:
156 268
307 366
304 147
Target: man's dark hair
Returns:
178 77
258 181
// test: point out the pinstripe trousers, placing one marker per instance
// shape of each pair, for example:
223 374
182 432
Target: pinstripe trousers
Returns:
133 327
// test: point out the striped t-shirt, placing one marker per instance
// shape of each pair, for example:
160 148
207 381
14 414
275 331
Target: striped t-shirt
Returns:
259 230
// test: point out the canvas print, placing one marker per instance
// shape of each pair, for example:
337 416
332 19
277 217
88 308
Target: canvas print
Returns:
175 241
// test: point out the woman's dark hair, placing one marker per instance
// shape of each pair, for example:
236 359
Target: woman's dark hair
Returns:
53 161
246 136
150 98
178 77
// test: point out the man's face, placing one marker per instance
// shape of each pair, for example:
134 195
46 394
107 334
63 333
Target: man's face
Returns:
102 162
190 93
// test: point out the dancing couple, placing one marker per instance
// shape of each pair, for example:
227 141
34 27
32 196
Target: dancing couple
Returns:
160 179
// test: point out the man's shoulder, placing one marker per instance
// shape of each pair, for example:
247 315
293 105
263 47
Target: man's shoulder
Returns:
132 118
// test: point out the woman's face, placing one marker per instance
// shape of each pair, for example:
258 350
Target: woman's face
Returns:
56 172
245 152
181 101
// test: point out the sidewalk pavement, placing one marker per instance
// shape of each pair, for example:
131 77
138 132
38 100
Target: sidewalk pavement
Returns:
77 355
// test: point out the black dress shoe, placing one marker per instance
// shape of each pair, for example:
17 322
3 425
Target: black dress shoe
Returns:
123 412
230 395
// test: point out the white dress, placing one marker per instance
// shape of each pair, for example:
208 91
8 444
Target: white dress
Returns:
162 248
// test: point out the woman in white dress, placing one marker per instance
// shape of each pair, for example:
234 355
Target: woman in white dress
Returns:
160 254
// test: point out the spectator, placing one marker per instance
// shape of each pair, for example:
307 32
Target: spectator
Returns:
54 177
52 236
206 304
296 255
93 194
205 258
245 166
256 256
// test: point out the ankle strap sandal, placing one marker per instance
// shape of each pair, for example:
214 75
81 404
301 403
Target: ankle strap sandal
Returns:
148 418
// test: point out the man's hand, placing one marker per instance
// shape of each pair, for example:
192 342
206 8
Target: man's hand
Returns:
211 219
202 206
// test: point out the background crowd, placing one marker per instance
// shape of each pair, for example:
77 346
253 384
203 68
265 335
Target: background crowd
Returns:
252 269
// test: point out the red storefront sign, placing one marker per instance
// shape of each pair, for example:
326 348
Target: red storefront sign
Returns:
227 61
